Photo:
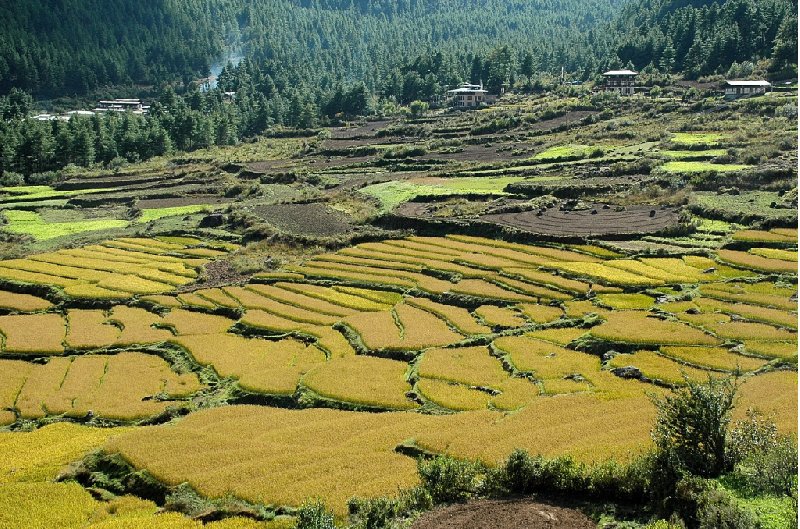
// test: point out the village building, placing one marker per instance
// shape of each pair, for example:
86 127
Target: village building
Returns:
735 89
620 81
468 95
122 105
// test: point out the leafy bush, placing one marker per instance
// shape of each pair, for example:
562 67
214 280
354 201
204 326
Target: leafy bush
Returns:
380 513
524 474
449 480
691 428
314 515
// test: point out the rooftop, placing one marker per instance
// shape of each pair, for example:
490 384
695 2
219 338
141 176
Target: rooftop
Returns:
759 82
621 72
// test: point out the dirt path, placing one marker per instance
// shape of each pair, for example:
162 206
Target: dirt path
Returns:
504 514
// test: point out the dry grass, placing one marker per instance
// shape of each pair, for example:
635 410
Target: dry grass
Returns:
362 380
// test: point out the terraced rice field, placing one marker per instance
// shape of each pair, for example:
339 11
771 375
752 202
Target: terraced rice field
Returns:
444 336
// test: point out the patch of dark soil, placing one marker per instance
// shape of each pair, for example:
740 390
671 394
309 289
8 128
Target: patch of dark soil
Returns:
368 129
215 274
595 221
313 219
481 153
267 166
182 201
525 513
570 118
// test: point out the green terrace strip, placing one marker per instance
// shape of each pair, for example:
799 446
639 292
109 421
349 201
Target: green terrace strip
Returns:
31 223
698 138
681 155
36 193
157 213
698 167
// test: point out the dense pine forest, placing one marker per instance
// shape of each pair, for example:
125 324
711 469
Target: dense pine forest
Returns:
308 62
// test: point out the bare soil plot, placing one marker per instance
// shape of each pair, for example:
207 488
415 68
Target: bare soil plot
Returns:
505 514
182 201
368 129
305 219
595 221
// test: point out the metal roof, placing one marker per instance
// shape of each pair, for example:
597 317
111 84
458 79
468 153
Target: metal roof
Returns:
760 82
464 90
621 72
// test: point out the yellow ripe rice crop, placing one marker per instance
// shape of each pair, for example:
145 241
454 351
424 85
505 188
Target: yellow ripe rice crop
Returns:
353 274
664 275
737 330
270 322
113 387
756 262
13 374
137 326
343 299
716 271
357 457
261 366
35 278
537 291
253 300
188 322
551 253
546 360
458 317
329 340
133 284
785 236
163 300
787 350
763 294
218 297
609 274
41 505
138 269
484 289
452 396
637 328
279 276
22 302
713 358
89 329
473 366
500 316
558 336
774 394
423 260
597 251
41 454
389 264
772 253
494 262
90 291
69 272
375 275
515 393
785 232
191 299
301 301
678 268
362 380
540 313
750 312
626 301
655 366
378 296
706 320
418 329
202 252
549 279
33 333
563 386
579 309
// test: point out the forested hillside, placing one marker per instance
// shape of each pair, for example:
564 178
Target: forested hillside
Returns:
56 47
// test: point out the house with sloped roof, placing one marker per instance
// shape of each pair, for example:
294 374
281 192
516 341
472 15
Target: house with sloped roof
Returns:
736 89
621 81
